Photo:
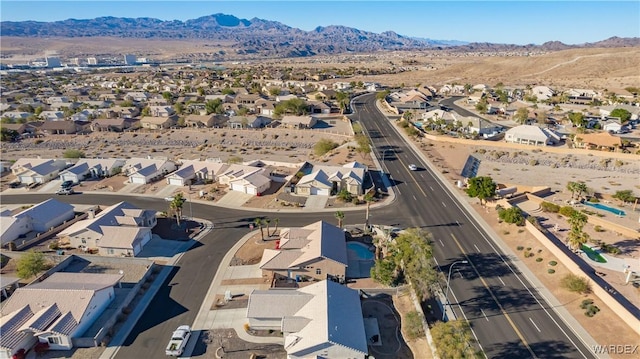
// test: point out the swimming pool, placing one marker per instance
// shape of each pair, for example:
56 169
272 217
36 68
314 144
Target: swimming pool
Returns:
617 212
361 250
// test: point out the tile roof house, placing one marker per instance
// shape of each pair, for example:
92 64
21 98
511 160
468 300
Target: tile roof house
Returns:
37 170
146 170
192 171
55 310
112 124
322 320
315 251
211 120
156 123
92 168
601 140
39 218
119 230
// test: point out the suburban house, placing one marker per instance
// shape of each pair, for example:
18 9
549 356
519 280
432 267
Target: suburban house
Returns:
265 107
291 121
161 111
246 179
87 168
601 140
137 96
614 126
322 320
531 135
317 251
55 310
210 121
52 115
63 127
39 218
328 180
146 170
480 126
36 170
112 124
542 92
192 171
157 123
119 230
248 121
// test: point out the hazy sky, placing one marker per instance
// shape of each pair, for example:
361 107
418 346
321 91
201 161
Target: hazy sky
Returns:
513 22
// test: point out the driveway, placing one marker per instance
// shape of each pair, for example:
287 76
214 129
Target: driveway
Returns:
316 202
234 199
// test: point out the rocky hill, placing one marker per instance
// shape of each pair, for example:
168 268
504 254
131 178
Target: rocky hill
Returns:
264 37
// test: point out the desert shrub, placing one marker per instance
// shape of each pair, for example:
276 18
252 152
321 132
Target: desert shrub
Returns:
611 249
553 263
539 259
551 271
323 146
505 232
586 303
575 283
414 325
246 327
533 162
598 228
38 141
512 215
593 200
566 211
549 207
592 310
73 154
520 248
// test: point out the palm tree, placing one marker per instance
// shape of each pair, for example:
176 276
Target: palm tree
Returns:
258 222
276 221
339 216
343 100
176 205
267 221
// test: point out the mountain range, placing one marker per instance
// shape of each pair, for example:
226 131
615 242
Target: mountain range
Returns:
267 38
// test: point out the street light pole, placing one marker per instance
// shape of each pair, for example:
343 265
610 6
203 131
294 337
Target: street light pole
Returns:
446 293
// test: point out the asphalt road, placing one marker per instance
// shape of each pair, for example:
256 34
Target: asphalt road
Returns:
509 319
181 295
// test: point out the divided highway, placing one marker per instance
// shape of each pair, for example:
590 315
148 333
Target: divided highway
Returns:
509 319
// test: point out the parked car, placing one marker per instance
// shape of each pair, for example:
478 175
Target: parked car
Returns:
65 191
178 341
14 184
67 184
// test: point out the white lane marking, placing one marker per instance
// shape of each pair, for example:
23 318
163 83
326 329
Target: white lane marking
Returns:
534 324
441 242
485 316
458 223
431 188
414 198
477 249
444 204
501 281
435 260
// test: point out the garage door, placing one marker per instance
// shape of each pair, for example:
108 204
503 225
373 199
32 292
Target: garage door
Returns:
251 190
323 192
138 180
175 181
237 187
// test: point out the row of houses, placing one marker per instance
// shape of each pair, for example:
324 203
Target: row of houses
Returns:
118 230
542 136
253 178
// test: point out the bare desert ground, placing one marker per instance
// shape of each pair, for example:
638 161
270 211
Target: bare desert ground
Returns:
597 68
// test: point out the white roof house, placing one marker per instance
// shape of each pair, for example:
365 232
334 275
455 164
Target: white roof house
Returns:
542 92
530 135
36 170
320 320
55 310
145 170
91 232
92 168
40 218
298 121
